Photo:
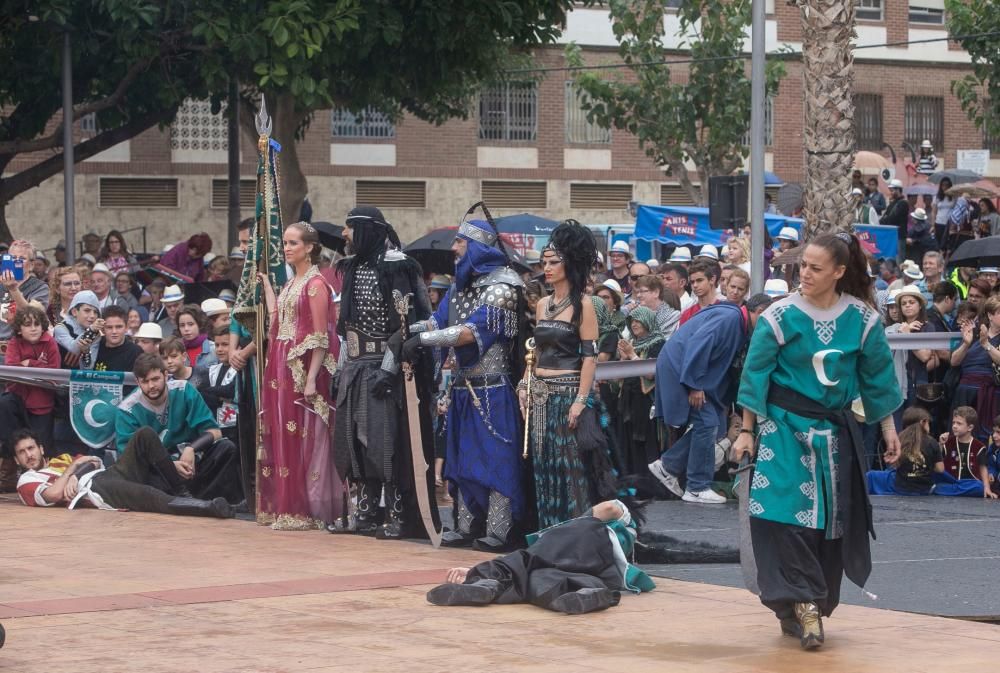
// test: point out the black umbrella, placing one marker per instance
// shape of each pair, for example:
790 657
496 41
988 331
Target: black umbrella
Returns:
958 176
331 236
433 251
977 253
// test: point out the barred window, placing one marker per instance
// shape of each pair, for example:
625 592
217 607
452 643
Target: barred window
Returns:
927 11
196 128
768 124
923 119
991 141
367 123
868 121
578 128
868 10
509 111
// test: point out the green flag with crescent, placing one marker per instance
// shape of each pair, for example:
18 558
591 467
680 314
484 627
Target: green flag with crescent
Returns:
94 400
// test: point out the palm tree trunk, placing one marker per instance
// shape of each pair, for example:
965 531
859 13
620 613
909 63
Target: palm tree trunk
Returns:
828 132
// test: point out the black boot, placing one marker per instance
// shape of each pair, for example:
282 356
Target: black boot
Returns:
168 471
392 529
586 600
480 592
217 508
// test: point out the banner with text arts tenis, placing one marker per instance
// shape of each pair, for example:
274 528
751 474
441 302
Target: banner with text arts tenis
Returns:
688 225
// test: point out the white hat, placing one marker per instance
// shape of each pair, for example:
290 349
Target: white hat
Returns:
680 254
149 330
532 256
911 270
775 287
600 257
989 269
710 251
919 214
87 257
857 192
621 246
613 285
653 263
926 145
209 256
214 306
236 253
895 183
41 255
171 294
910 291
100 267
891 299
227 295
788 234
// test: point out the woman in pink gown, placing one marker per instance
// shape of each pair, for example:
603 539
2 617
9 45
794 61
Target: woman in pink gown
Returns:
298 484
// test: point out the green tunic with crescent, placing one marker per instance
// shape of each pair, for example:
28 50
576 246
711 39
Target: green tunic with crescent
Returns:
832 356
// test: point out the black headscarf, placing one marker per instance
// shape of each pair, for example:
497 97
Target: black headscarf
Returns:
371 236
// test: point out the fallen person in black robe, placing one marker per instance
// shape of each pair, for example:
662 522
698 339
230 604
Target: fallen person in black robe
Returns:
577 566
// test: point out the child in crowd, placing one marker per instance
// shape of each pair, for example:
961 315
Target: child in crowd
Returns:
961 448
989 463
919 459
220 390
192 327
961 456
79 335
175 357
148 337
33 346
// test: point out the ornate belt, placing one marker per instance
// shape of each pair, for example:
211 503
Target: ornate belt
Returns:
361 344
3 347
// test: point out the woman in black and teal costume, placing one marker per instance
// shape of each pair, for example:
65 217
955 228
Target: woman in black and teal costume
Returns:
570 443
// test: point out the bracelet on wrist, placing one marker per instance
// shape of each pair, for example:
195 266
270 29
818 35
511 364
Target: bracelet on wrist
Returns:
746 430
581 399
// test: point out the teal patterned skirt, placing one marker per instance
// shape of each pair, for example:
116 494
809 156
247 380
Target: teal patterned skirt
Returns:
573 470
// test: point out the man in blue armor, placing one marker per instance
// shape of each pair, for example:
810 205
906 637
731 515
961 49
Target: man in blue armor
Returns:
476 328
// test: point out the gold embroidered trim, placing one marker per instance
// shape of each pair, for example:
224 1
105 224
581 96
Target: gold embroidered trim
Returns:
292 427
266 472
283 472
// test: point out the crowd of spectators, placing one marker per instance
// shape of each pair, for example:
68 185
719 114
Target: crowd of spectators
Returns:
114 307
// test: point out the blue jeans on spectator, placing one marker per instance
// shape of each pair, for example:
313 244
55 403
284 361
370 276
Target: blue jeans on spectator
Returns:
694 453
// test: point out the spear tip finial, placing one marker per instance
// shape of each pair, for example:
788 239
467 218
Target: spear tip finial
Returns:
263 120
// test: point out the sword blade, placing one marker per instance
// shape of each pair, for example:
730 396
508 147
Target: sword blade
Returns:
420 465
748 563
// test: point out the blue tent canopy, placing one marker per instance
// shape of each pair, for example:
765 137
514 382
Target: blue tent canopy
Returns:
526 223
688 225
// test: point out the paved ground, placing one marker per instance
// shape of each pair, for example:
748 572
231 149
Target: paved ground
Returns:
933 555
107 592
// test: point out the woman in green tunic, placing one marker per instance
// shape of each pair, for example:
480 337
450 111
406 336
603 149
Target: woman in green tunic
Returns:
811 355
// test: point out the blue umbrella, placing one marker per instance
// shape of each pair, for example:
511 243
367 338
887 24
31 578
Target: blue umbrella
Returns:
526 223
771 179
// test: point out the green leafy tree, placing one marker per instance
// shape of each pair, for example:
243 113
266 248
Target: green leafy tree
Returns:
131 69
135 61
979 91
701 116
428 58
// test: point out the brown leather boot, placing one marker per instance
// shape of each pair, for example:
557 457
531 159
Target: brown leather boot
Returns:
8 475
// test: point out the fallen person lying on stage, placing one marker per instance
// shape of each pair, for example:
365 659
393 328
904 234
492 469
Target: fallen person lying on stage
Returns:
577 566
70 482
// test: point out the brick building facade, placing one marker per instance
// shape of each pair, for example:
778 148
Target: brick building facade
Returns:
520 149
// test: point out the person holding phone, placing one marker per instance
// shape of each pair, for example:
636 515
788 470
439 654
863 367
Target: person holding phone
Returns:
18 288
79 335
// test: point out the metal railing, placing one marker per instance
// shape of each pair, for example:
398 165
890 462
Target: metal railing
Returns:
624 369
